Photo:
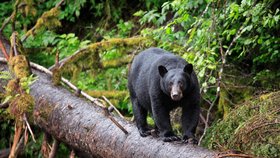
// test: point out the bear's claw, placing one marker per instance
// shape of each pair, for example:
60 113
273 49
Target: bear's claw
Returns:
145 133
171 139
190 141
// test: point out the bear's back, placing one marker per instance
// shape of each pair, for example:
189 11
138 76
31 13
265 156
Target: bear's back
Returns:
153 57
143 61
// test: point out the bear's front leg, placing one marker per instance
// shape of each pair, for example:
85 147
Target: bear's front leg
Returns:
162 121
140 115
190 117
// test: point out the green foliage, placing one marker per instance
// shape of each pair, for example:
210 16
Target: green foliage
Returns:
124 28
153 4
148 16
5 9
201 31
67 44
34 149
6 75
115 80
109 79
51 43
197 30
72 10
197 35
252 128
7 130
26 82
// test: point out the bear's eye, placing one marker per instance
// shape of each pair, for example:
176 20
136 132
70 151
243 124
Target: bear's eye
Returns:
170 85
180 83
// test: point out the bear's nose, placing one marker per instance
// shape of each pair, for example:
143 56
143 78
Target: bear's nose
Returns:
176 93
175 96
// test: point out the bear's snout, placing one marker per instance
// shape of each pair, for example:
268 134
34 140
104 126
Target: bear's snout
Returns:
176 93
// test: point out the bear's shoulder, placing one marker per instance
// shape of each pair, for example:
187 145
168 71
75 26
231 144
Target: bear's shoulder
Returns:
171 61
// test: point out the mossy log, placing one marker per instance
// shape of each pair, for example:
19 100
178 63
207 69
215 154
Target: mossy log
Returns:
116 62
91 51
89 57
85 127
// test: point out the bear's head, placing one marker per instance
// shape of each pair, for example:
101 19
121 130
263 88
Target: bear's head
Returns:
175 82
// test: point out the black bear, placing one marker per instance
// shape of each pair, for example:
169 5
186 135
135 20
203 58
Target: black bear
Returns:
158 82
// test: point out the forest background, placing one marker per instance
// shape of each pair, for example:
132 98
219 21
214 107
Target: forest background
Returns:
234 47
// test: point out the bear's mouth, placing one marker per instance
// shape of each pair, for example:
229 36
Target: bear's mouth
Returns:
176 97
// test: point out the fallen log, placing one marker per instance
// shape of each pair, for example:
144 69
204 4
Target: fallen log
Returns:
85 127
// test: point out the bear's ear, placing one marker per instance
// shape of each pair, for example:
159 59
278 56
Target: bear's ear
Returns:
162 70
188 68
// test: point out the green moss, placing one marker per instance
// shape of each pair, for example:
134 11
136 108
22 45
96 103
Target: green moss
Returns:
21 104
224 104
20 66
12 87
252 128
49 19
15 42
45 111
116 62
1 96
89 57
56 77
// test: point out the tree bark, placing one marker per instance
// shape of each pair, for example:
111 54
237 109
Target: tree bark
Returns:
85 127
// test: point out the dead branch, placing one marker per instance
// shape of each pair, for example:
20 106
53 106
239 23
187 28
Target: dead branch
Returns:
112 106
28 127
3 49
72 154
107 113
14 15
45 147
5 23
20 145
234 155
16 140
54 149
4 106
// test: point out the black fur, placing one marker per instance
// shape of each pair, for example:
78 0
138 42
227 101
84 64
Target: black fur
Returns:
158 82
